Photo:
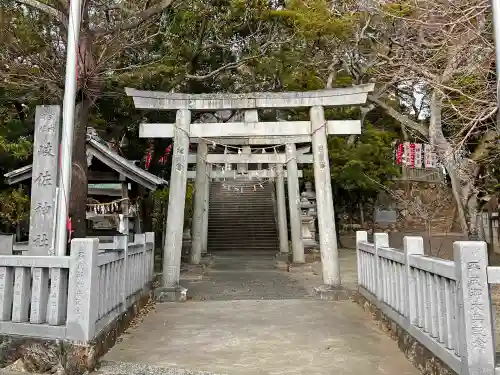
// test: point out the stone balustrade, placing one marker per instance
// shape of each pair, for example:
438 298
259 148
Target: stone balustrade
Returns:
74 297
445 305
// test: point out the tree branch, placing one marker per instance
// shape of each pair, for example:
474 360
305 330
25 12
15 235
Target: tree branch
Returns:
400 117
222 68
138 19
47 9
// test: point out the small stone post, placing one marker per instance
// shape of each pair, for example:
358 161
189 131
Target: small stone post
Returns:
6 244
412 246
324 199
281 203
379 240
83 299
361 235
477 347
206 205
199 202
175 217
294 203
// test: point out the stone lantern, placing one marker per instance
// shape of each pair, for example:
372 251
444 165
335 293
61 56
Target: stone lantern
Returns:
308 216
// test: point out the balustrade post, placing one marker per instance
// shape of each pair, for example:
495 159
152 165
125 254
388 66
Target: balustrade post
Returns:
361 235
412 246
474 308
380 240
150 239
120 243
83 298
142 263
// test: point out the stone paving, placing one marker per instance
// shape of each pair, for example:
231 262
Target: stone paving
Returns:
246 317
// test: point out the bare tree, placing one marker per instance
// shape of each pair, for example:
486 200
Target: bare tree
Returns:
445 46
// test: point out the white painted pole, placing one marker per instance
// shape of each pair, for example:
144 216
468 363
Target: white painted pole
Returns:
67 126
495 7
294 204
281 203
324 200
199 203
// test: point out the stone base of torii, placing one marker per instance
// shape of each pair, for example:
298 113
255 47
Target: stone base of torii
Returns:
247 132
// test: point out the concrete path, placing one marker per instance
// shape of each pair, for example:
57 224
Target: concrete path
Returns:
248 318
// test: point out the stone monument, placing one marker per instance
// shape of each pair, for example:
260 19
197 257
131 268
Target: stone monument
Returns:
43 184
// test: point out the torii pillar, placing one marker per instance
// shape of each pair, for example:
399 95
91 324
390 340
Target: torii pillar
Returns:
324 200
294 203
171 290
281 203
199 203
206 204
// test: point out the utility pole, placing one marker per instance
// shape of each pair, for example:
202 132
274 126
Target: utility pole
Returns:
62 203
495 7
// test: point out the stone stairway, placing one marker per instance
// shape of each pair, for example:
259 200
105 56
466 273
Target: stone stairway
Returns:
244 220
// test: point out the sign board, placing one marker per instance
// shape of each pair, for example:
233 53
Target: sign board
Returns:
385 216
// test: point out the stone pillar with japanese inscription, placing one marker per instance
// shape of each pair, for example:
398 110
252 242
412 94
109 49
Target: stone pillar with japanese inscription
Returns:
174 229
476 330
44 179
324 199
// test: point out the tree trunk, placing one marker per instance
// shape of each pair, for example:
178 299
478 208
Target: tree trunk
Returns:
447 156
79 176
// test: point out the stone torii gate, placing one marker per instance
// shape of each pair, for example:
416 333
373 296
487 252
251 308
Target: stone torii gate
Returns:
201 198
200 215
289 132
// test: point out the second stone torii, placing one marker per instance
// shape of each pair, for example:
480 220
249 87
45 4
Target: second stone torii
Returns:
201 204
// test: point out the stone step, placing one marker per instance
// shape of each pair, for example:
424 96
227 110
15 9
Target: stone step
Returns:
241 207
242 226
246 248
240 202
236 241
237 219
216 248
241 234
247 190
240 230
242 220
246 207
241 240
267 243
